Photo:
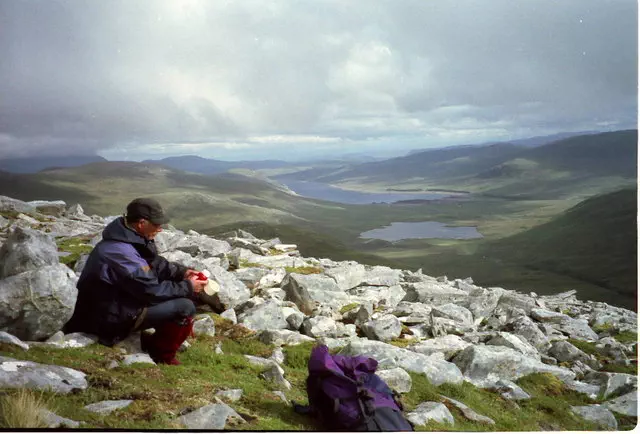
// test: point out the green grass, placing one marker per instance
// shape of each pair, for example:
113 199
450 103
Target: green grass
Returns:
76 246
161 393
609 365
542 413
304 270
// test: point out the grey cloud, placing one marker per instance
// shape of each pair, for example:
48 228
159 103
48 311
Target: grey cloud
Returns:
101 75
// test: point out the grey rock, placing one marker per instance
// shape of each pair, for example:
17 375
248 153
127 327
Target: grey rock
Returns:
598 414
30 375
281 395
591 390
230 314
130 359
611 383
277 356
106 407
483 365
273 278
265 316
56 339
35 304
525 327
54 421
247 244
10 204
276 374
450 345
54 208
564 351
397 379
544 315
454 312
262 362
8 338
295 320
385 328
360 314
380 275
26 250
469 413
625 404
77 212
319 326
211 417
251 275
521 301
387 296
514 342
283 337
427 411
204 326
346 276
296 288
232 291
432 292
231 395
509 390
438 371
577 329
444 326
482 302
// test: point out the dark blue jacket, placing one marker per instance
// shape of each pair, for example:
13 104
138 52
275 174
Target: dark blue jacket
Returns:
123 274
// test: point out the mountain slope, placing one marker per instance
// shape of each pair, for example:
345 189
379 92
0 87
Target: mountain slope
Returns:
35 164
208 166
193 200
577 166
595 241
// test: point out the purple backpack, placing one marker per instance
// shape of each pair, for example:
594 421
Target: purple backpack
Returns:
346 394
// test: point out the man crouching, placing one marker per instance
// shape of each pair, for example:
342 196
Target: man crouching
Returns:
126 286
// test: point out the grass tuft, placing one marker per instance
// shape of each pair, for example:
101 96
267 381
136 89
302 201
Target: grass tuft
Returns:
304 270
23 409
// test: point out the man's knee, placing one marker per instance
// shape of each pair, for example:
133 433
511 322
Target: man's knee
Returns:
185 307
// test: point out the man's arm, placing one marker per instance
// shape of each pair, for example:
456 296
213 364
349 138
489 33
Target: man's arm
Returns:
166 270
137 278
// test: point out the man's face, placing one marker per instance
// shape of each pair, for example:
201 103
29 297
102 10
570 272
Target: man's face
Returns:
147 229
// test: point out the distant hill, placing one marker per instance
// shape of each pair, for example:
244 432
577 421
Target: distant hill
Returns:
528 142
584 165
192 200
208 166
594 241
36 163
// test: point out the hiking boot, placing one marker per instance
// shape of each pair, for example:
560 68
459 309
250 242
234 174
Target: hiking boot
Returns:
164 343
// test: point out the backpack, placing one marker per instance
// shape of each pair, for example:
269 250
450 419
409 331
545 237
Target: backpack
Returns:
346 394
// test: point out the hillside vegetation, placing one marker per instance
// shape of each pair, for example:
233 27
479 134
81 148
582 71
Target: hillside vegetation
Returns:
591 248
582 165
566 245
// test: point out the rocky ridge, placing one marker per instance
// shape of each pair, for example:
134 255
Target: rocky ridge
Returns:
449 330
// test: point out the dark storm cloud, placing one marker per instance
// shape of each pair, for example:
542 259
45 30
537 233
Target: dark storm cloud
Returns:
139 78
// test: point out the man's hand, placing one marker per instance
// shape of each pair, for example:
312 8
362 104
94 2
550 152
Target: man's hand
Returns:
190 272
198 285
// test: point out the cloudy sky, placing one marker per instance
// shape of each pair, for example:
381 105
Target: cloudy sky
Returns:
293 79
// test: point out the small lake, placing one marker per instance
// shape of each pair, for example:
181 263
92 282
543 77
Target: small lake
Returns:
408 230
318 190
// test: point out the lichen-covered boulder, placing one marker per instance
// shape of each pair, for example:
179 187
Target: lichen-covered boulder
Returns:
36 304
25 250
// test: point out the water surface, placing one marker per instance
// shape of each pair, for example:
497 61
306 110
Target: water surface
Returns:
318 190
408 230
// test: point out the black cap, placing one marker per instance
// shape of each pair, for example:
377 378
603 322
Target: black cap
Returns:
146 208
